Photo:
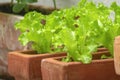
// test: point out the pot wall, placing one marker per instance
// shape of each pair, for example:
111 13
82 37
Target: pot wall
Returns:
26 65
8 34
8 39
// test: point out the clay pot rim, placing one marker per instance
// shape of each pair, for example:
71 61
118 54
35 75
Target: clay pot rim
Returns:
56 60
102 49
100 52
32 53
7 14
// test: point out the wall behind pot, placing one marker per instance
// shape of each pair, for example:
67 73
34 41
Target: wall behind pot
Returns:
8 39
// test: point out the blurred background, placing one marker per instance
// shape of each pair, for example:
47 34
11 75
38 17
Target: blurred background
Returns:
66 3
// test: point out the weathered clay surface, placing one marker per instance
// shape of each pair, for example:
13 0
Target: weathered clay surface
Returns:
8 34
8 39
3 61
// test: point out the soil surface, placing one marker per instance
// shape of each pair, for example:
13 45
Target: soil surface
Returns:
4 77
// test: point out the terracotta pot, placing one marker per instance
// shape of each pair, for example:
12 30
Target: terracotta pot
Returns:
26 65
98 69
117 55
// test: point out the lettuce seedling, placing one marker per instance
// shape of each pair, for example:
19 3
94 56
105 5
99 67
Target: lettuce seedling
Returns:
33 30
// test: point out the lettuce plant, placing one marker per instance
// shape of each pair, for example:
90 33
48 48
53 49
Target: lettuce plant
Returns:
105 28
33 30
78 30
85 28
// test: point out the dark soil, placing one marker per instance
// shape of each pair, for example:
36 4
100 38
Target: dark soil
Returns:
7 8
4 77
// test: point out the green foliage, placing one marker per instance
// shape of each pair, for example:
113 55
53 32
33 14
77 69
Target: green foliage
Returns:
104 28
22 4
33 30
18 7
77 46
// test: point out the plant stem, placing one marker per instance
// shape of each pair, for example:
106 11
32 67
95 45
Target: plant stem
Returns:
54 2
11 3
26 8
